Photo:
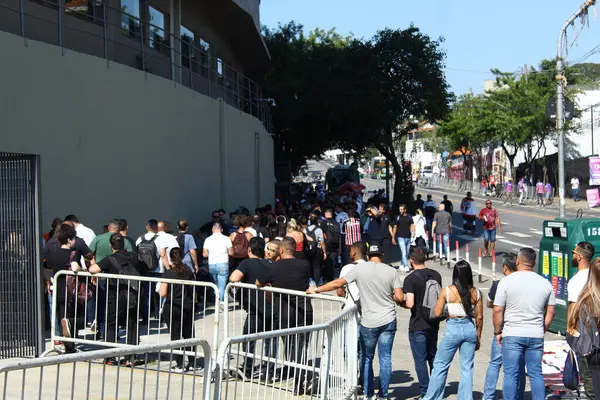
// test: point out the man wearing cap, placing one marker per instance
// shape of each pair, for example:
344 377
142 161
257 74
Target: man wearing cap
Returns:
581 259
380 289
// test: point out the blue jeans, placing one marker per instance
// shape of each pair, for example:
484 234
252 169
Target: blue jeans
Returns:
575 194
423 345
460 334
383 337
515 351
429 224
219 274
404 244
491 378
489 235
445 243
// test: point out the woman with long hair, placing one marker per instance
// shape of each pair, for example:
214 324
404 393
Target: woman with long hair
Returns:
463 331
240 240
179 307
585 312
294 230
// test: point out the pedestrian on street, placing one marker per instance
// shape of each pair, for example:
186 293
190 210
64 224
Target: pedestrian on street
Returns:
422 331
524 308
575 188
380 288
442 228
581 259
522 186
218 248
429 208
508 189
448 204
420 237
548 192
491 221
463 332
468 210
539 188
402 233
509 265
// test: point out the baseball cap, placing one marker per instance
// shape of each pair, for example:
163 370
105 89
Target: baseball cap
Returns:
374 250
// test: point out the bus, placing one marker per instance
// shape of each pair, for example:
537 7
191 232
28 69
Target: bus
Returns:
340 174
378 168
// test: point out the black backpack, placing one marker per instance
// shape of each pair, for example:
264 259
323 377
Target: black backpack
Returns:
331 233
128 269
181 242
148 254
312 247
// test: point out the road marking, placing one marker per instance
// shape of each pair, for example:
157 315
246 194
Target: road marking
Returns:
536 232
517 244
500 237
518 234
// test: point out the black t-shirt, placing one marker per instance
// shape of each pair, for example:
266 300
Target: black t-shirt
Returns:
58 260
419 204
448 206
255 269
379 227
79 249
403 223
121 257
415 284
180 294
292 274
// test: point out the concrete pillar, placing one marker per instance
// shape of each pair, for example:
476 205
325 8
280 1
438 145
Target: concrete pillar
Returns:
223 153
257 167
175 39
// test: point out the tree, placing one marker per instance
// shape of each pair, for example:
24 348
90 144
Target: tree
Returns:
335 91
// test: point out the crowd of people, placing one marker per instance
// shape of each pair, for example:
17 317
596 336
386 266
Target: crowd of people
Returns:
321 242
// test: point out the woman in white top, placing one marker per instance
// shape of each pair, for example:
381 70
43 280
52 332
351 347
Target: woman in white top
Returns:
463 331
420 237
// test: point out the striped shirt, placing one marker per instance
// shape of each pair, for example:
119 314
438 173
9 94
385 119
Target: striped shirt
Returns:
352 228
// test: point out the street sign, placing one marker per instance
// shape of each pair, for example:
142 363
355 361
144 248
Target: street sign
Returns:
551 109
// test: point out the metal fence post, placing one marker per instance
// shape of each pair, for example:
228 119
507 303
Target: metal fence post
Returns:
142 47
327 362
22 18
60 43
105 34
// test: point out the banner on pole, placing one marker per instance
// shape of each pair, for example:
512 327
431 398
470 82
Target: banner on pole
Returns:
594 171
593 197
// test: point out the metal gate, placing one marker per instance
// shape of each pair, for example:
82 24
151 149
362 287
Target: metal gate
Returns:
20 262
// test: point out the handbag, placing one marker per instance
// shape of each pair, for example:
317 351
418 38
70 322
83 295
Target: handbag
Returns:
571 372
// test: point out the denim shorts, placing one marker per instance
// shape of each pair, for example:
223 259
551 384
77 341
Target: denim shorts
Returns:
489 235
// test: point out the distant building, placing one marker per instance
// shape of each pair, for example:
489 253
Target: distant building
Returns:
417 149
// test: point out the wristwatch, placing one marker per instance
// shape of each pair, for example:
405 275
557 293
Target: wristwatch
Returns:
497 333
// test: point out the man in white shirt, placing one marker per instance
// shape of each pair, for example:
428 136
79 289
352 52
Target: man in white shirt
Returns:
575 188
581 259
218 248
357 255
82 231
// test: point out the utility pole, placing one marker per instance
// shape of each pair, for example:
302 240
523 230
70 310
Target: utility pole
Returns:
592 127
560 106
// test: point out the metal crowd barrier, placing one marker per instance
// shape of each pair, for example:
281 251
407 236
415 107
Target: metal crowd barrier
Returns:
310 360
239 297
106 310
85 375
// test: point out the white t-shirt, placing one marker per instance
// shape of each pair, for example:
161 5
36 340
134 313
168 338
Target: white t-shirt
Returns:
217 245
574 183
163 241
340 218
352 288
85 233
576 284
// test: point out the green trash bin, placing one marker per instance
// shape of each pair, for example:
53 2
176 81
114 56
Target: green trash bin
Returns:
554 261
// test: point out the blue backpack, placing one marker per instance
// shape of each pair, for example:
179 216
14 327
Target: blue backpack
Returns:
571 372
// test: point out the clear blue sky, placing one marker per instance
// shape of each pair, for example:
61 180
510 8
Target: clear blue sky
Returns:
479 34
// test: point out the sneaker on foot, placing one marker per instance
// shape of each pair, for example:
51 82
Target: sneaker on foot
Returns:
178 369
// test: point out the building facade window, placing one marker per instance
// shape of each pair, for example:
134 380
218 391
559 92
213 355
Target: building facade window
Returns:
130 18
157 35
189 58
204 48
